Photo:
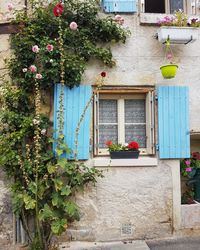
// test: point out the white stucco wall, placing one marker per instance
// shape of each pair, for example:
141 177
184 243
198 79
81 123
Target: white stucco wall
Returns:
144 197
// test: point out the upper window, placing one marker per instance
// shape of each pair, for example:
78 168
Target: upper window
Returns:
123 118
163 6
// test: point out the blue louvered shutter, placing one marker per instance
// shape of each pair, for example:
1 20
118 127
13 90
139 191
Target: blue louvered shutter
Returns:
173 122
120 6
75 101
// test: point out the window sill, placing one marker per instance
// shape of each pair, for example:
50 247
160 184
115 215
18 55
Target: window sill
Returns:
152 18
143 161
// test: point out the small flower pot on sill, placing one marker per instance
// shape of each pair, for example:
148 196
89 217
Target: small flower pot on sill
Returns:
124 154
169 70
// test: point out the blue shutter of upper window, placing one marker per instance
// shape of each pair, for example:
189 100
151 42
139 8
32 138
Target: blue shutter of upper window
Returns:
173 122
119 5
75 101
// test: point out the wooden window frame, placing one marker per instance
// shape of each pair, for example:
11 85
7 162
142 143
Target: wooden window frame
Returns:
121 95
167 7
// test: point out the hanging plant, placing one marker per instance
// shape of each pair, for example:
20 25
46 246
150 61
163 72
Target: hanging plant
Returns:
169 69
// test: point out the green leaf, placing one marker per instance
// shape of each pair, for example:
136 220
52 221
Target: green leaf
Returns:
51 169
46 213
59 226
58 184
29 202
62 162
56 200
59 152
66 191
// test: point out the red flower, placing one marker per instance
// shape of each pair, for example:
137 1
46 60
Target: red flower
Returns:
103 74
58 10
196 155
133 145
108 143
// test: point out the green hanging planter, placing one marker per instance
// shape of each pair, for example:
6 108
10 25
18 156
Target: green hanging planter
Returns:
169 70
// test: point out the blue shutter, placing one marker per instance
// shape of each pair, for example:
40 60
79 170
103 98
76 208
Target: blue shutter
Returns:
75 101
120 6
173 122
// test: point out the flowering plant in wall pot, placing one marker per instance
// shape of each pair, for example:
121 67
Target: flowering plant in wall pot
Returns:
120 151
179 28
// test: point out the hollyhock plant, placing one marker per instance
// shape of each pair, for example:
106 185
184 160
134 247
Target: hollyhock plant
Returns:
103 74
24 70
33 68
10 6
38 76
58 9
73 26
35 49
49 47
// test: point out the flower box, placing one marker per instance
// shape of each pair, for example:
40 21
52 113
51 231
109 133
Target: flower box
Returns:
124 154
179 35
169 70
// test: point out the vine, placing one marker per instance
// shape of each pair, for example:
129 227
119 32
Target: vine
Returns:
54 45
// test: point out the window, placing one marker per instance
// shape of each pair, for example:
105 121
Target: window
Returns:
124 117
162 6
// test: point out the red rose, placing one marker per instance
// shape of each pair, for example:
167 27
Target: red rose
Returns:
58 10
133 145
108 143
103 74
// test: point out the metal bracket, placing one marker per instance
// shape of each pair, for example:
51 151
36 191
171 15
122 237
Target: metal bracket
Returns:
168 39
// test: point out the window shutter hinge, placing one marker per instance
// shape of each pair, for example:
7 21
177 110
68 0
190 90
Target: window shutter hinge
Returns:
156 97
157 147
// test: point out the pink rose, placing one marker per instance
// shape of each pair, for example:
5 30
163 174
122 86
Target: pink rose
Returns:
38 76
188 169
73 26
118 19
49 47
187 162
35 49
10 6
33 68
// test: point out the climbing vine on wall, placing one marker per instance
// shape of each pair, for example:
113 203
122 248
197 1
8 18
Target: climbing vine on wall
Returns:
54 45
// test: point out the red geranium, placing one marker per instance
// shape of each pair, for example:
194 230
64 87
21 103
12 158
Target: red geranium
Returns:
58 10
133 145
103 74
108 143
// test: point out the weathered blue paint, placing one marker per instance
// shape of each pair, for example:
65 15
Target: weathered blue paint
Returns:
173 122
74 101
127 6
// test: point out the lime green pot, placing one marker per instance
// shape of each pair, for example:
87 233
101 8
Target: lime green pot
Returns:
169 70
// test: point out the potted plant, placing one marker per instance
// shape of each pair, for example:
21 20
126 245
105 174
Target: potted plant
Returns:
169 69
178 28
120 151
190 168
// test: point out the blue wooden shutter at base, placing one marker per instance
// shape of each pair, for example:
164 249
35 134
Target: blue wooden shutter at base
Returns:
173 122
74 101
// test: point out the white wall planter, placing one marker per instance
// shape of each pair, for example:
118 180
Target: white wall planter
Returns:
177 35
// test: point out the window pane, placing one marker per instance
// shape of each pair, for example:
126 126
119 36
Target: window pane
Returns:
107 132
135 111
107 111
136 133
155 6
176 5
